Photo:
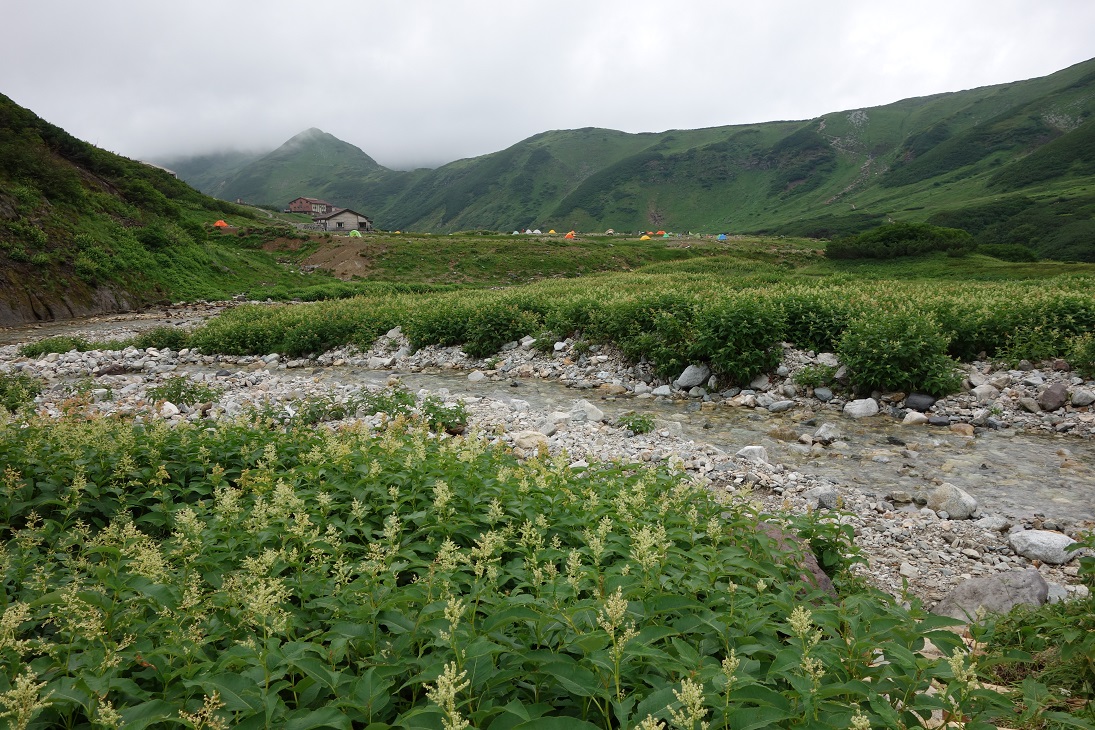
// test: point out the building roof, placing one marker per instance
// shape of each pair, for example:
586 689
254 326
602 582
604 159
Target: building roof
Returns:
309 200
340 212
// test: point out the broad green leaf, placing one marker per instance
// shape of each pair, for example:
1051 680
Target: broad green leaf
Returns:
751 718
236 691
557 723
573 678
147 713
330 717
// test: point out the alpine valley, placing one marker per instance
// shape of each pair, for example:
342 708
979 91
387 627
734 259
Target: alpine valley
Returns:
1011 163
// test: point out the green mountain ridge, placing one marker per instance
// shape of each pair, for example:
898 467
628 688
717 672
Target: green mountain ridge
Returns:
84 231
839 173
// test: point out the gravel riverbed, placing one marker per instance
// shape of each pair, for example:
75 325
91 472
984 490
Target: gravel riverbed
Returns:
911 541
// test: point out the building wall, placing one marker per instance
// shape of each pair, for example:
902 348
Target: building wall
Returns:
347 221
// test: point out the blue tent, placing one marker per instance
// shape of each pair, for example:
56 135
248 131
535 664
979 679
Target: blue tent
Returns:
722 237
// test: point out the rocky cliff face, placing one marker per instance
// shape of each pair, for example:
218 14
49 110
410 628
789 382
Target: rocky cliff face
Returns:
25 300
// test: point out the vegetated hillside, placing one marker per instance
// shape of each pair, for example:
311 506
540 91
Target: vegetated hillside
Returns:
944 155
83 230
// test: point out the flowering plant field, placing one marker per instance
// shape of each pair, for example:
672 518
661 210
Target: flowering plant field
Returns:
256 575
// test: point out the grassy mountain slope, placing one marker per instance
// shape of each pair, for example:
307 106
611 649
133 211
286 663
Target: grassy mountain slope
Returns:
312 163
842 172
84 231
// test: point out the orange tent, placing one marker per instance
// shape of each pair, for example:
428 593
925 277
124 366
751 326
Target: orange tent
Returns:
220 224
661 233
569 235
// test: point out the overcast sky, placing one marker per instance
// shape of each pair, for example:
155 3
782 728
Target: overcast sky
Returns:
423 82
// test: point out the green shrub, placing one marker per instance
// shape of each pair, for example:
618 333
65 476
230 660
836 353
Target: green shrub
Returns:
740 337
815 376
18 390
1082 354
494 325
182 390
636 422
901 239
816 320
60 344
445 325
654 327
1036 344
161 338
898 349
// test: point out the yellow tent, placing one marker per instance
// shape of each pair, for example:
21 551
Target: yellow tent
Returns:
552 231
645 238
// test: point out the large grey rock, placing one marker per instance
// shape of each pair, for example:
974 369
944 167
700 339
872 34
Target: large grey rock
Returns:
995 594
823 394
1044 545
1053 397
994 523
1029 405
585 411
985 393
914 418
664 390
823 497
530 441
781 405
957 503
379 363
1083 398
761 382
756 454
919 401
861 408
827 433
693 375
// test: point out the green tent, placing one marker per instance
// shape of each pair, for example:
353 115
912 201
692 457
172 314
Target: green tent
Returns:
355 234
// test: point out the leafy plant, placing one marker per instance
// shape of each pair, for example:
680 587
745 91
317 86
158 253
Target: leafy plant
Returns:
60 344
815 376
171 338
298 576
182 390
1082 354
636 422
18 390
898 349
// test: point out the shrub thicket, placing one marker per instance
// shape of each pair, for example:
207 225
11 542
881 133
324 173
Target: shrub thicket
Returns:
671 322
898 349
901 239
